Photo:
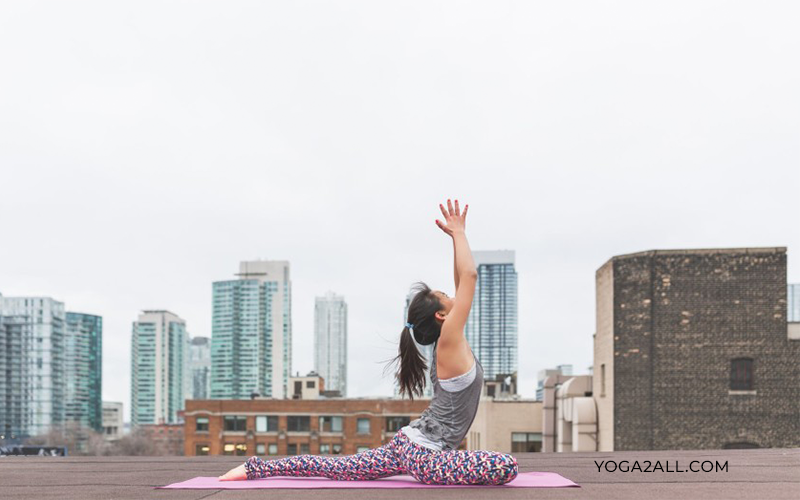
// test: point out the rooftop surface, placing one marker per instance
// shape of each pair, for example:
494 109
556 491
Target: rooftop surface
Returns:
752 474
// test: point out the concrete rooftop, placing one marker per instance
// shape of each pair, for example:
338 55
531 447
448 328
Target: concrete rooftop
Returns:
752 474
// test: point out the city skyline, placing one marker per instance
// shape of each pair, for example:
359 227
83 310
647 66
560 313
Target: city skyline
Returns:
573 134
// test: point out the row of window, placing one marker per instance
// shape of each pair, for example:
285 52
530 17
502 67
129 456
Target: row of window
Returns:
240 449
298 423
521 442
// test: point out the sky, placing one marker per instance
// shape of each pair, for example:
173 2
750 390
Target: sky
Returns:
148 147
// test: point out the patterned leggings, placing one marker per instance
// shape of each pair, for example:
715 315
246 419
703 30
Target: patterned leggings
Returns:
399 456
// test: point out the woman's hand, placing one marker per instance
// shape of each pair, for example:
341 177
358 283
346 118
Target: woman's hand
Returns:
235 474
455 221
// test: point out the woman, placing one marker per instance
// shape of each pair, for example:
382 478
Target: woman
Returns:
427 447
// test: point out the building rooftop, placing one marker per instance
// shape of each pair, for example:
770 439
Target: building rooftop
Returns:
751 474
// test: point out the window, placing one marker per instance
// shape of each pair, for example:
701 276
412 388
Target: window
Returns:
227 449
272 449
739 446
362 426
201 424
201 450
241 449
291 449
525 442
490 390
361 448
304 449
237 423
603 380
310 384
298 424
267 423
337 449
324 449
261 449
298 388
394 424
742 374
330 424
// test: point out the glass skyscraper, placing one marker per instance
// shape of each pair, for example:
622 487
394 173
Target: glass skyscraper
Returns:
330 341
16 415
793 305
251 332
83 370
158 359
491 328
200 366
31 366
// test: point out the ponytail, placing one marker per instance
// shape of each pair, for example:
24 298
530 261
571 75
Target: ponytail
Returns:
411 372
412 365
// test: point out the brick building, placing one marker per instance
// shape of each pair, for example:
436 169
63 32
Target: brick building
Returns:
692 351
293 426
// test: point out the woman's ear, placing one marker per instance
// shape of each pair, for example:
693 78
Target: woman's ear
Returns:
440 316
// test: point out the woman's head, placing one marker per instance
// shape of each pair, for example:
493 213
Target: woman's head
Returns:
426 312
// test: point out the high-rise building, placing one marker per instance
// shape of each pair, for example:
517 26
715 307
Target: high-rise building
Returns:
251 332
16 413
491 328
693 351
83 370
200 368
31 365
330 341
793 303
565 370
158 354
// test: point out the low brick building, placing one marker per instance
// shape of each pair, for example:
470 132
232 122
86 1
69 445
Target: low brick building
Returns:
293 426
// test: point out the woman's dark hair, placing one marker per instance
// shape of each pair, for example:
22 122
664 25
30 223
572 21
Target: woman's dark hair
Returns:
411 363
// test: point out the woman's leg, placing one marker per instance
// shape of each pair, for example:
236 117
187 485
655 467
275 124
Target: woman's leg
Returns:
455 466
370 464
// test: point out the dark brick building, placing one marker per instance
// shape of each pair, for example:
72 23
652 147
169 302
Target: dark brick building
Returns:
692 351
293 426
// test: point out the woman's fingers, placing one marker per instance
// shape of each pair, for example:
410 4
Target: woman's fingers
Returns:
452 212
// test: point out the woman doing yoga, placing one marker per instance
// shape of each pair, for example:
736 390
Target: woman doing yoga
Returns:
427 447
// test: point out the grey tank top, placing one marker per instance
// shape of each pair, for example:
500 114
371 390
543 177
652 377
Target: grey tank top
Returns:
450 414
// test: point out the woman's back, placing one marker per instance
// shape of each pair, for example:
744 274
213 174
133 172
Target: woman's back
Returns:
453 406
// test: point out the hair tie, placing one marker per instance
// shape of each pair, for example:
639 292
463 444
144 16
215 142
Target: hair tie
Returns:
409 325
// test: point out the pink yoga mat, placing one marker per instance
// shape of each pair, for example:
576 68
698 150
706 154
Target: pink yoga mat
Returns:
523 480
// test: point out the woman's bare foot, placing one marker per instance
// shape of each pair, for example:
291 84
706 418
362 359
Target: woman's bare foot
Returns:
236 474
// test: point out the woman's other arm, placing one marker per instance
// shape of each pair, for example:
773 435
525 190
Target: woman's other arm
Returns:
455 226
455 356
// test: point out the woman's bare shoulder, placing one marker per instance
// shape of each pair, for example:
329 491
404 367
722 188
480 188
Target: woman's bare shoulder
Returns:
453 359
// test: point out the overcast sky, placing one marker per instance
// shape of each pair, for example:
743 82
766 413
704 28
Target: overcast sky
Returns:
147 147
